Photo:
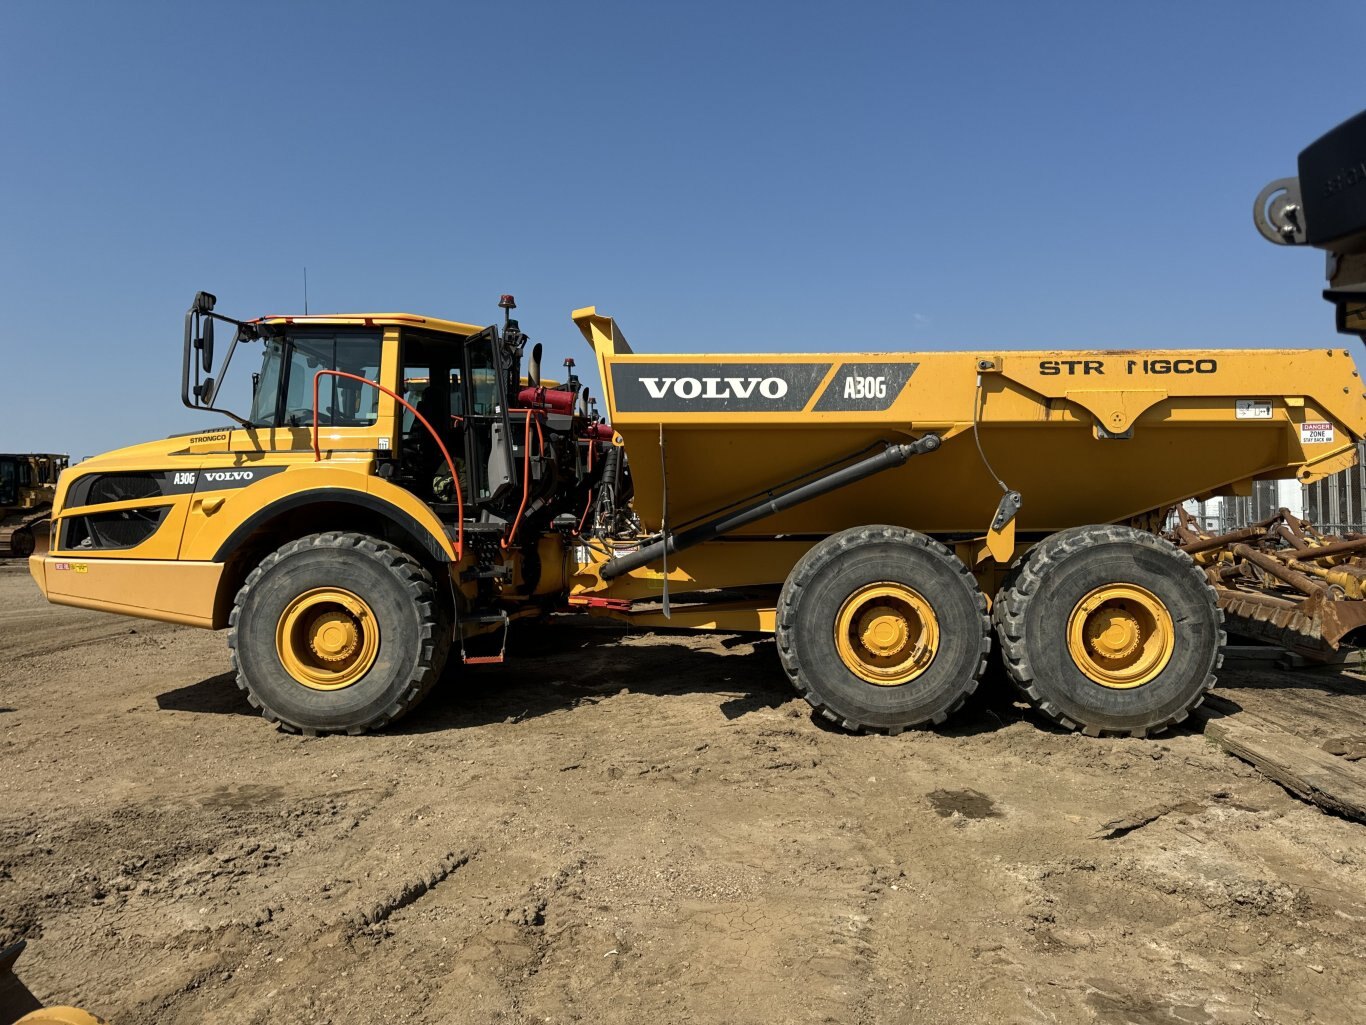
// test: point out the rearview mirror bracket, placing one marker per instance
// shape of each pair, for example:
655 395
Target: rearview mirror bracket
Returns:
201 392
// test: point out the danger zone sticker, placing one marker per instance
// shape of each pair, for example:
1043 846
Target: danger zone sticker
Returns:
1316 432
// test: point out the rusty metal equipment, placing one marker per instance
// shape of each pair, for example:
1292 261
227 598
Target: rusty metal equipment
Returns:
1282 581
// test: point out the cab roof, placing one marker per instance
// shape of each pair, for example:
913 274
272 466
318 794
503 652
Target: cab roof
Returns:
376 320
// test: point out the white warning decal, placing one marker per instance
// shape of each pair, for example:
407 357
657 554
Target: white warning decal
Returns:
1252 409
1316 432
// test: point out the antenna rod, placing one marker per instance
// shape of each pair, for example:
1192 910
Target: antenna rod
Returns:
305 290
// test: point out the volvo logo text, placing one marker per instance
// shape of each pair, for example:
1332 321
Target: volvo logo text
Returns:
715 387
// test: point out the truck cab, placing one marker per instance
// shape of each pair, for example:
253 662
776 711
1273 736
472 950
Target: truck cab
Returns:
419 432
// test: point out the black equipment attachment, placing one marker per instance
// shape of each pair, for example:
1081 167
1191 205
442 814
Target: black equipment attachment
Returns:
1325 207
892 455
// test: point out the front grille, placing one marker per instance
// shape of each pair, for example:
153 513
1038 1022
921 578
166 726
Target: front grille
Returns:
122 487
102 531
98 489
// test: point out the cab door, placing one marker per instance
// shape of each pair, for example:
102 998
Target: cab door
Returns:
489 439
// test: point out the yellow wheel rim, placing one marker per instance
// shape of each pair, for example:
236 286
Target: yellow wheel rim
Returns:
327 638
1121 636
886 633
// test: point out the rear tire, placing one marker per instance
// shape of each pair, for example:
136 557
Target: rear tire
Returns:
881 628
337 633
1110 630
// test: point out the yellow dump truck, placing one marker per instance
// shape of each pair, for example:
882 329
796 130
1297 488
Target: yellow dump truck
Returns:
888 516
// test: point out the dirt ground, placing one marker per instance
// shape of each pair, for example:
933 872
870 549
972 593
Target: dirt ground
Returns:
629 828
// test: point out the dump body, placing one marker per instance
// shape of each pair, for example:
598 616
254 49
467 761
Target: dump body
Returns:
1084 436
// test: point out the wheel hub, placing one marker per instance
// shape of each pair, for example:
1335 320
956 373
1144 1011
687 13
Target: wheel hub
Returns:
327 638
334 636
1121 636
1113 633
883 630
886 633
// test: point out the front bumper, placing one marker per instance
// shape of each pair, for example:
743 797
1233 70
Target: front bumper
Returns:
172 591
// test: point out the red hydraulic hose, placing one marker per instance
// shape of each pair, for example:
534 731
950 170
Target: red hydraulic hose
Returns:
455 477
526 475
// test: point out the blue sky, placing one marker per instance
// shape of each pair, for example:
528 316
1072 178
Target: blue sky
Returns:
732 177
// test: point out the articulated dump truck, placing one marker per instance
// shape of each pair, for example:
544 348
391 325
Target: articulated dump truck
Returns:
403 494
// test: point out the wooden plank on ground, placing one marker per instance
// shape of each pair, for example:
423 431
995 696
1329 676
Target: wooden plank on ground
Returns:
1334 784
1310 714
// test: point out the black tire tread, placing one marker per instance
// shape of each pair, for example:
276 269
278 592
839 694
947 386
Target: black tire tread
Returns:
846 541
415 580
1030 572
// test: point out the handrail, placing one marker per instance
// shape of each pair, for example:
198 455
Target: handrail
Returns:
455 477
526 476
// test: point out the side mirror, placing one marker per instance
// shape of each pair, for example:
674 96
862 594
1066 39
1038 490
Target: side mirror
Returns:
198 386
206 344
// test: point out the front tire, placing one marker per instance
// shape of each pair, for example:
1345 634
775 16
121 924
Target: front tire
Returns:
1110 630
881 628
337 633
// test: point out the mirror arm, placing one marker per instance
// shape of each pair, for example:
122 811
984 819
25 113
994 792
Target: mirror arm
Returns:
192 397
241 325
223 370
229 414
243 331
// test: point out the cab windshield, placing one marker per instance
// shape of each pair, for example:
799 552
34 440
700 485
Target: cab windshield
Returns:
284 388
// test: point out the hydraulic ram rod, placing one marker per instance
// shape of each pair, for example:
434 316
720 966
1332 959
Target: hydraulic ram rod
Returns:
892 455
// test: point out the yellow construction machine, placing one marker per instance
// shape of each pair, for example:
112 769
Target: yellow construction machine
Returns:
885 515
27 483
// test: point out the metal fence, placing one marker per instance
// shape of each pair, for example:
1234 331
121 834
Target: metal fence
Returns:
1337 504
1240 510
